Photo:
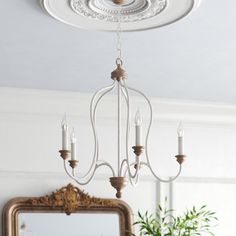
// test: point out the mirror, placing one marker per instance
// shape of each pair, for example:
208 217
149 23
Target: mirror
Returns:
68 211
84 224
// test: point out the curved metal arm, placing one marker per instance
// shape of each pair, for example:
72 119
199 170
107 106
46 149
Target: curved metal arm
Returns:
93 115
108 165
101 93
157 177
164 180
92 175
85 179
76 179
135 175
147 136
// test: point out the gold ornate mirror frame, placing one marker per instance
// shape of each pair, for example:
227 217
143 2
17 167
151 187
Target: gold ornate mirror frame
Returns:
69 200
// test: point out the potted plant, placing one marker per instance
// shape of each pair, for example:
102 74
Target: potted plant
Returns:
192 222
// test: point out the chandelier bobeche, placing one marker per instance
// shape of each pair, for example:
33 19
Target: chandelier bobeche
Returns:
128 168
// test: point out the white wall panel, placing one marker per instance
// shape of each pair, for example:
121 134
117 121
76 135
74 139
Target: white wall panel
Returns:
217 194
28 184
30 138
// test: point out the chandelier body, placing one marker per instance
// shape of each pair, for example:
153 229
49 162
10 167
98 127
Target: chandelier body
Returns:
128 169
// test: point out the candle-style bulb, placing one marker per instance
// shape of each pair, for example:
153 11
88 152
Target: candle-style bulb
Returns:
73 145
64 127
180 130
138 129
138 118
73 138
64 123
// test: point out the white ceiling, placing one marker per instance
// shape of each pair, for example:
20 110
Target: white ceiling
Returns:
191 59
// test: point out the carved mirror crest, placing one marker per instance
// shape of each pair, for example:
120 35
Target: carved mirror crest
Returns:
68 211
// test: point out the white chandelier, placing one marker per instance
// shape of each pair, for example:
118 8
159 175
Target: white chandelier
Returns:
128 169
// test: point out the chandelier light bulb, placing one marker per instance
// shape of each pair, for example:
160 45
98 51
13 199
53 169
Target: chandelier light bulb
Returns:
138 118
65 139
180 133
64 123
73 145
138 129
180 130
72 137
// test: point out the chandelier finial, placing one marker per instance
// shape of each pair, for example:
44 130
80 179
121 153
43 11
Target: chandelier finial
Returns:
118 2
118 183
119 73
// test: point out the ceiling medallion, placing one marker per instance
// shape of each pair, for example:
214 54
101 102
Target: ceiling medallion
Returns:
131 10
135 15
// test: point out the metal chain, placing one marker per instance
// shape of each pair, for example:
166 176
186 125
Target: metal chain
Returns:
118 34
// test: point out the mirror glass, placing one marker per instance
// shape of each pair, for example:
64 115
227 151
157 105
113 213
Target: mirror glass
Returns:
76 224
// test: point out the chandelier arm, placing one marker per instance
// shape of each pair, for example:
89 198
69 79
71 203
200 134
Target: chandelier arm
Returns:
125 161
164 180
158 178
150 121
124 93
134 180
133 164
93 108
93 113
131 176
119 129
92 119
126 98
109 89
147 136
108 165
122 165
76 179
92 175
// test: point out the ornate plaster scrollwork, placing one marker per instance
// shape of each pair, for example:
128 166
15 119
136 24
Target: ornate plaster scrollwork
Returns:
135 15
131 11
70 199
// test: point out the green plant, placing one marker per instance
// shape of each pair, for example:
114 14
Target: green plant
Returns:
162 223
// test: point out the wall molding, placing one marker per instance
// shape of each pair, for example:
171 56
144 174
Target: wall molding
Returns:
17 103
59 175
206 180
